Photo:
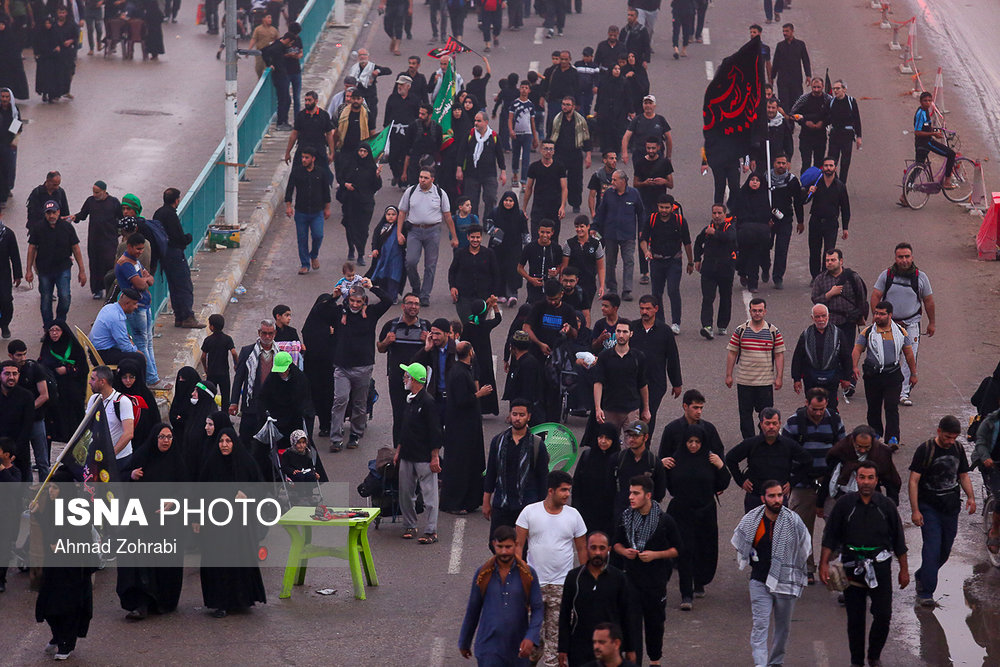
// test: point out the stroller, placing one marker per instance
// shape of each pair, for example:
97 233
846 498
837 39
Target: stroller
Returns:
287 492
381 486
563 373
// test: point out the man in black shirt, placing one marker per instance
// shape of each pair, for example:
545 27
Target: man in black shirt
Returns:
548 183
643 126
571 135
401 110
312 206
938 471
654 175
50 190
621 392
675 433
845 127
715 260
353 361
551 320
791 59
635 37
786 198
814 110
418 82
594 593
425 138
417 455
480 158
645 539
274 57
17 416
174 262
400 339
652 339
525 378
865 527
540 261
769 455
10 276
600 181
351 128
313 128
474 272
660 240
610 50
563 82
104 212
52 247
586 254
830 201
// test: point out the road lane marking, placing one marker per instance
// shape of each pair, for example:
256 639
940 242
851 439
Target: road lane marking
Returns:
539 35
822 659
457 542
709 70
705 38
437 651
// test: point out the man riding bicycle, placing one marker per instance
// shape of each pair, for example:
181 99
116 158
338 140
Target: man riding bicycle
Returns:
924 135
987 455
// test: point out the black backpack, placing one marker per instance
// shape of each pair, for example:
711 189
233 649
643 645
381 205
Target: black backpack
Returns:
914 285
51 383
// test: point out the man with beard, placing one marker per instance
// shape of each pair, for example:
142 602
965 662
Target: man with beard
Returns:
274 57
400 339
253 365
775 543
17 416
600 181
911 296
424 136
313 128
655 341
10 276
822 357
50 190
594 593
769 456
571 136
865 527
830 201
367 73
401 110
505 607
354 360
813 112
350 131
786 197
285 396
104 212
844 293
480 159
645 539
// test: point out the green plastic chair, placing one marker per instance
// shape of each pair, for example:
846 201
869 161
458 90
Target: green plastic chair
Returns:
560 443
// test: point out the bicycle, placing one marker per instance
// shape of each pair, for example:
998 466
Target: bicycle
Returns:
990 505
920 181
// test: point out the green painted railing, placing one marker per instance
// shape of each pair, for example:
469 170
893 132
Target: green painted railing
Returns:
203 202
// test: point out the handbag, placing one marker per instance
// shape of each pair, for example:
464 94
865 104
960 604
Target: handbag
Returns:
495 235
837 580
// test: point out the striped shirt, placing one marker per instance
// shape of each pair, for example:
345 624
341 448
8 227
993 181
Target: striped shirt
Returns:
816 439
755 350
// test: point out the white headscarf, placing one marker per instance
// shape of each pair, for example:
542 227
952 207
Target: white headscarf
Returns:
13 105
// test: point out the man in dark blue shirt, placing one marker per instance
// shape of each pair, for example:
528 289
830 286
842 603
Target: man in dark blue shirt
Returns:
924 135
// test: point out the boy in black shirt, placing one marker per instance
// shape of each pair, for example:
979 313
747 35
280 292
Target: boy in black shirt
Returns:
550 319
214 350
540 261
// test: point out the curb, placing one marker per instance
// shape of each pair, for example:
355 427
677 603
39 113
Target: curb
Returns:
260 221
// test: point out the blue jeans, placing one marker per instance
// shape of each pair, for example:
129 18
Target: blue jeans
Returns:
520 155
938 534
306 223
667 272
40 445
47 283
140 321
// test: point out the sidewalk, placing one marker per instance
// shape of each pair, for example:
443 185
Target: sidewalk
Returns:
216 274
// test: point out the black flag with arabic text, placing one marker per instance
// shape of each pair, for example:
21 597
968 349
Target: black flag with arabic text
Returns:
734 112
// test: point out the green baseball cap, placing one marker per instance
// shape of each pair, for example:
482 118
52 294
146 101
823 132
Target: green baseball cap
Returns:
282 361
415 371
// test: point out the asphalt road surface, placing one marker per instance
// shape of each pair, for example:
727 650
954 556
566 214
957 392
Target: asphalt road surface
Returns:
414 616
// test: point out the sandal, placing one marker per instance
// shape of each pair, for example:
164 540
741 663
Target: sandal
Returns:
428 538
303 271
410 533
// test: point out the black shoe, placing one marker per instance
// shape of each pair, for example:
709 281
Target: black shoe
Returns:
219 613
361 260
765 276
425 302
324 433
3 586
353 442
779 283
626 296
850 391
5 332
336 447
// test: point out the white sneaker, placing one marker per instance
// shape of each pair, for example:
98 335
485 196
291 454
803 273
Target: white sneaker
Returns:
62 656
676 328
51 649
721 331
905 400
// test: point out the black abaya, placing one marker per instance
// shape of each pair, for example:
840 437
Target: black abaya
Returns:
69 355
154 27
143 398
465 458
11 66
180 407
228 587
147 588
48 78
514 225
478 333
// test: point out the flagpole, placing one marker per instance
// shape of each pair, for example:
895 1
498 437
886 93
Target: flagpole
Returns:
76 435
767 167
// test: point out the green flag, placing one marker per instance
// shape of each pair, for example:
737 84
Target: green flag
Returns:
379 144
442 104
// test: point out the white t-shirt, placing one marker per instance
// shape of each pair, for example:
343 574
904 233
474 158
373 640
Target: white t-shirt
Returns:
550 540
114 423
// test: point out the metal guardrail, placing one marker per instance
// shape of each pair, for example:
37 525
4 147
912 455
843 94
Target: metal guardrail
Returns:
204 200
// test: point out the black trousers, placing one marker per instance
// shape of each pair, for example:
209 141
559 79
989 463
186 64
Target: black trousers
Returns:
64 630
751 399
683 25
710 284
653 604
656 394
856 603
727 173
755 251
574 177
841 147
781 237
822 239
224 384
882 392
397 398
506 517
319 372
788 91
6 304
812 147
357 219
